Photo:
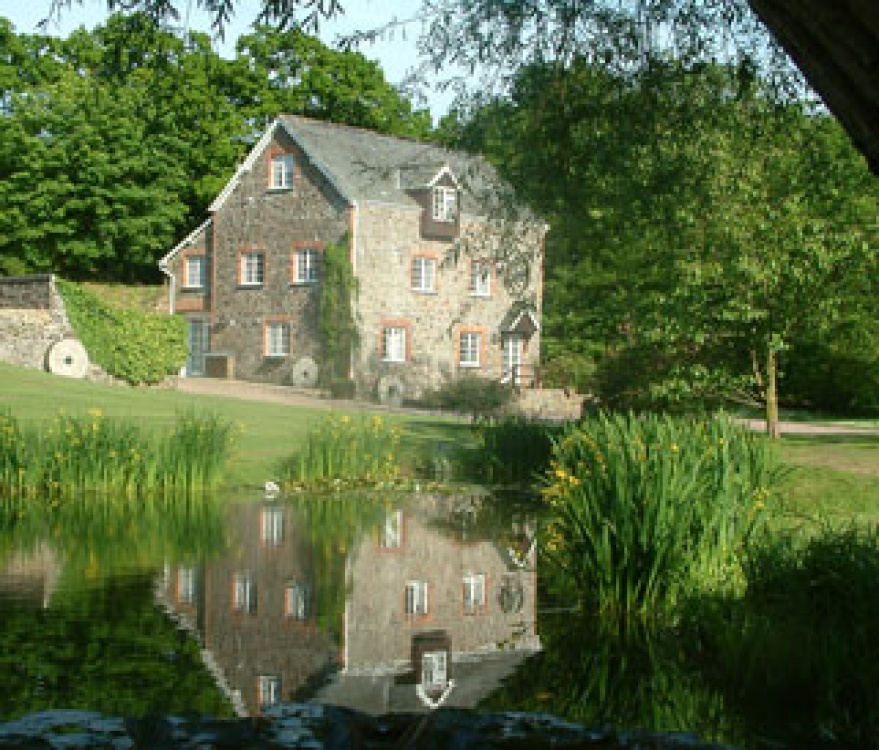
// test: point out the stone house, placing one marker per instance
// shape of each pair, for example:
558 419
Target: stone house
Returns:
438 256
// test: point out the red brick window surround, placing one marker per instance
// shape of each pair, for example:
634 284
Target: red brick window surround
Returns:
422 272
194 270
480 278
283 168
416 599
251 267
276 337
305 262
394 342
471 347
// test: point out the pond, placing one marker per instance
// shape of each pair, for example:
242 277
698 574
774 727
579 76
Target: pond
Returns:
399 603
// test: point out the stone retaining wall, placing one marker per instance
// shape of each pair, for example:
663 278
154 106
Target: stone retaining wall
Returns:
32 318
549 403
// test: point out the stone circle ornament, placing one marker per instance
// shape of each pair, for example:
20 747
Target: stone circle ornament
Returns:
304 373
391 391
69 358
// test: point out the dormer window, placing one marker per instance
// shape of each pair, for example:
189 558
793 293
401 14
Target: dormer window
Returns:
445 204
282 170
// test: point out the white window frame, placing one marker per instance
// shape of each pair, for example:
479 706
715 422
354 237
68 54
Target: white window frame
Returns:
283 171
297 601
445 204
271 526
195 272
417 604
394 343
252 268
185 585
473 592
392 530
243 592
276 339
480 278
307 260
434 670
269 690
470 349
423 273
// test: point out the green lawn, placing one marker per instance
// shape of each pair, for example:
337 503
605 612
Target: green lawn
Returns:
269 431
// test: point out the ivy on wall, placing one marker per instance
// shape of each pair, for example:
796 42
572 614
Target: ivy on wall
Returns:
336 315
138 347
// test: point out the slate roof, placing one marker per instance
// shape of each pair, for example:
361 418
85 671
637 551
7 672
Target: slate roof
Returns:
368 166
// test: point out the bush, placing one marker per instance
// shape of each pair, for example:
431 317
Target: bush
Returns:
481 398
514 449
138 347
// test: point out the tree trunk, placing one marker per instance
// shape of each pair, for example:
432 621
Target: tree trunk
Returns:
772 429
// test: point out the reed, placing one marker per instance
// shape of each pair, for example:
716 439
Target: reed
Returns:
646 507
74 457
344 452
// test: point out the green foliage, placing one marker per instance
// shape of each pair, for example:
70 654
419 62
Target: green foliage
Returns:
481 398
341 452
646 507
802 644
336 322
514 450
569 369
115 140
135 346
75 458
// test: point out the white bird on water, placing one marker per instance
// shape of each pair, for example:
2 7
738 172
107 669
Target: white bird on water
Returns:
272 489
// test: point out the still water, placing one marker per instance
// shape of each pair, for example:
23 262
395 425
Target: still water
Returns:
382 604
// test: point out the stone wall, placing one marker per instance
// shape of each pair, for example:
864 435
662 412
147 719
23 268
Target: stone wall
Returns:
32 318
275 223
549 403
388 237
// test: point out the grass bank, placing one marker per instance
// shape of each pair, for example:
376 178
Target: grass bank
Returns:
267 432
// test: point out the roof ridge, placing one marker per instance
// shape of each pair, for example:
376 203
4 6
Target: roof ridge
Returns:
369 131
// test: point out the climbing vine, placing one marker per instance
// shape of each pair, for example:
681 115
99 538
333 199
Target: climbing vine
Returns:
336 313
131 345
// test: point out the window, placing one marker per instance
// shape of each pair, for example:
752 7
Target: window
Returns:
296 601
474 592
445 204
271 526
470 348
393 344
480 278
243 593
251 268
423 274
392 531
282 168
269 690
434 670
416 598
185 585
305 265
277 338
194 272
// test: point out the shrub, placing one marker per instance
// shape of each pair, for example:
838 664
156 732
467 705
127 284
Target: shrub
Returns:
515 449
343 389
481 398
645 507
138 347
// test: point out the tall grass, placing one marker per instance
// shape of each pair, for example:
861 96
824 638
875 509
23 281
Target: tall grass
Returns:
72 457
645 507
343 451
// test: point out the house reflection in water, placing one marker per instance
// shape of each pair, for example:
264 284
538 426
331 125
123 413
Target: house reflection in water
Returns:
417 615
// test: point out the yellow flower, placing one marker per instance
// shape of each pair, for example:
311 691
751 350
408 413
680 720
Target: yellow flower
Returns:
674 448
95 413
345 419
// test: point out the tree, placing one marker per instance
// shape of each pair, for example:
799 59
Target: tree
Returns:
672 258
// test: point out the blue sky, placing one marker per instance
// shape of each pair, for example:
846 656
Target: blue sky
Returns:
396 54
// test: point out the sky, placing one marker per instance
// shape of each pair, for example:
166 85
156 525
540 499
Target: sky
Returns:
396 54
